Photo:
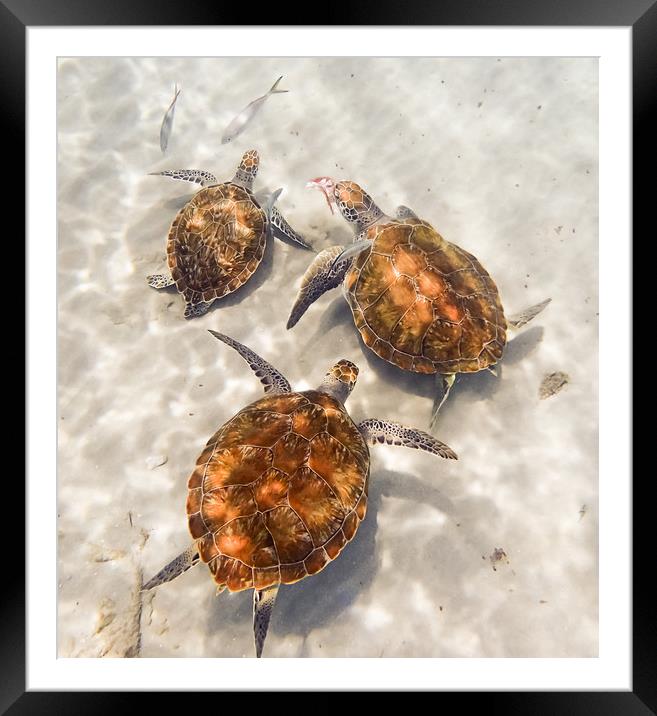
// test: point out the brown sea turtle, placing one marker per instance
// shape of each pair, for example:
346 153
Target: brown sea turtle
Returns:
281 487
217 240
419 301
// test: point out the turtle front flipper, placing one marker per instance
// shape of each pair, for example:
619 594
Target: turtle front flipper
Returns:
321 276
518 320
281 229
194 176
278 225
352 251
403 212
273 381
160 280
263 604
384 431
175 568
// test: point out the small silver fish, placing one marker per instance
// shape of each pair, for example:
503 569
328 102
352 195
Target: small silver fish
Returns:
238 125
167 122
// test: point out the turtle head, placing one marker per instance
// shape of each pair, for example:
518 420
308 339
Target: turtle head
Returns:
247 170
340 380
356 205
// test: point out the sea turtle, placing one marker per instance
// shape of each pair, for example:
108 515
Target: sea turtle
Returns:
217 240
281 487
419 301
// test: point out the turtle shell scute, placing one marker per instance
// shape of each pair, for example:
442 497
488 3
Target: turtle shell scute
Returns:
424 304
278 491
216 242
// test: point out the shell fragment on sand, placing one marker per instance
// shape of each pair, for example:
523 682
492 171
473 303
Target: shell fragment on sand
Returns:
552 384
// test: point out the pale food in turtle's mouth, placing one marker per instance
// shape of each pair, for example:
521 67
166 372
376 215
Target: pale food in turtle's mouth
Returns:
326 186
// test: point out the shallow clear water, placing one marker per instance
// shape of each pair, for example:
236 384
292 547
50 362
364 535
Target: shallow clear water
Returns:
500 155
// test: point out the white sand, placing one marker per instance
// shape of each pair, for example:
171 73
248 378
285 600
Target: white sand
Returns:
501 156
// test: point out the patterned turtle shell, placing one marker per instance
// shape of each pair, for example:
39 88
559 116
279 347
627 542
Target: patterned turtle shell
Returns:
216 242
278 491
425 304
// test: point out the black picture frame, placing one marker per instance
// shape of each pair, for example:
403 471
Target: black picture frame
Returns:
641 15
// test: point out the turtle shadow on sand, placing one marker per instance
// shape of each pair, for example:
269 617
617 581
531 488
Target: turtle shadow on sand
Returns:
175 204
483 385
317 601
149 231
478 386
522 345
336 314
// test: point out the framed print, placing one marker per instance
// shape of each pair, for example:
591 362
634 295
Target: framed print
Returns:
472 206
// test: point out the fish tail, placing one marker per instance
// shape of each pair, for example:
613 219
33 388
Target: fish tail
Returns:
273 89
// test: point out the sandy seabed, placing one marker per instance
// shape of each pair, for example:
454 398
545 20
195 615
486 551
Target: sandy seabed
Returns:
501 156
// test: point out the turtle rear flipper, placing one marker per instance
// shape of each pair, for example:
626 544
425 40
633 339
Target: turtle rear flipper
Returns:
160 280
192 310
444 383
175 568
521 319
263 604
